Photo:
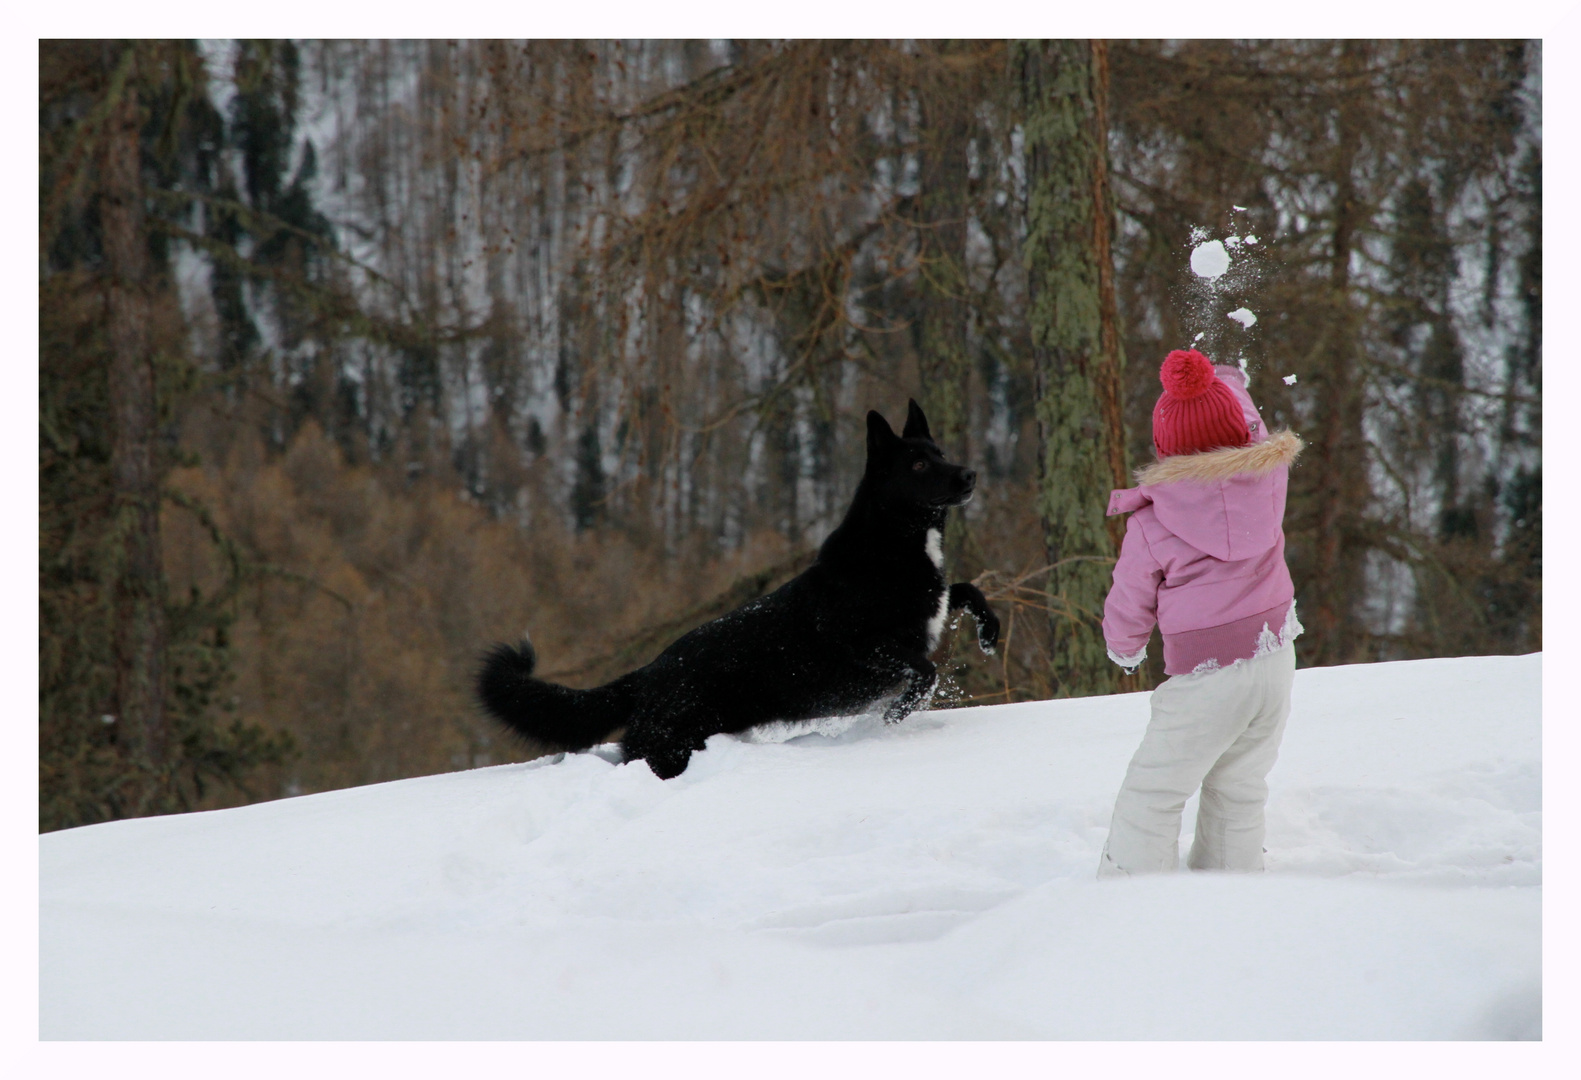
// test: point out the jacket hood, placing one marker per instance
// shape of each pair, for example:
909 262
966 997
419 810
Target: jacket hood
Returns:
1228 503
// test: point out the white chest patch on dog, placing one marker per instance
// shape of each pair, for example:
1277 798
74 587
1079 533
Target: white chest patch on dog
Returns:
935 549
936 624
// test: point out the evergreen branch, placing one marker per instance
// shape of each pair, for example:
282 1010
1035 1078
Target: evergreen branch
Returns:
1406 546
227 546
265 225
272 570
241 566
356 321
709 90
1450 386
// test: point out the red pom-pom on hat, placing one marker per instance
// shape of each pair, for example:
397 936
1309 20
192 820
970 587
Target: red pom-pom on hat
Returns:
1186 374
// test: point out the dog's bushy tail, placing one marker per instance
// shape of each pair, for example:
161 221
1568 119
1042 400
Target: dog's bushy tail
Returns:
558 716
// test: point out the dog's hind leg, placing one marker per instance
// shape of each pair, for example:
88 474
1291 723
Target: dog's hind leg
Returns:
924 676
963 594
669 762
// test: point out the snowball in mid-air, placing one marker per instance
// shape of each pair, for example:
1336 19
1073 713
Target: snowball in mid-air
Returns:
1244 317
1290 380
1210 260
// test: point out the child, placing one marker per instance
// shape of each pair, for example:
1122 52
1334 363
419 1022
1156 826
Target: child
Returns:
1204 557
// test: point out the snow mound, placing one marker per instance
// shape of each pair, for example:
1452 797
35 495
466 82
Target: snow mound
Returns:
927 880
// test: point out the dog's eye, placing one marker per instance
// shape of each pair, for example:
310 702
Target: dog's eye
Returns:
919 465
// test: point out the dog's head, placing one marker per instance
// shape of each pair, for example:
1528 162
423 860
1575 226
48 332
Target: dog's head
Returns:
909 469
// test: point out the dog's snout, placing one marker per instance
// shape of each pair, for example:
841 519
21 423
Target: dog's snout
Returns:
970 476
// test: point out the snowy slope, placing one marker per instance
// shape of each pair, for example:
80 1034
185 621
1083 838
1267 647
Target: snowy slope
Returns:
929 880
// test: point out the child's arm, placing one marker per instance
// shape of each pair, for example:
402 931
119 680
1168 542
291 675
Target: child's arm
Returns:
1132 605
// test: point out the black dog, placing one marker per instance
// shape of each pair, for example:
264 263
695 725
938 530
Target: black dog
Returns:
834 641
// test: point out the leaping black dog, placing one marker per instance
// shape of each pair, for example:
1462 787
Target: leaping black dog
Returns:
852 632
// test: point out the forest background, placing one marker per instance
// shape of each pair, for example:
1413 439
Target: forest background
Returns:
358 356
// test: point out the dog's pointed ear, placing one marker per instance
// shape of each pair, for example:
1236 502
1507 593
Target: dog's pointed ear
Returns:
916 423
880 436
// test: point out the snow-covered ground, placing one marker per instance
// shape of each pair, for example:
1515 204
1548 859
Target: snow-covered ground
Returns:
930 880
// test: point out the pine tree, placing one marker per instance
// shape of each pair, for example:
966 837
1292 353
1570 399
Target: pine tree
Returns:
139 702
1075 345
129 675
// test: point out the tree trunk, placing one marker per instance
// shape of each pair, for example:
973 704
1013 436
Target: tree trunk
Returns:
1110 374
1075 345
1341 461
944 365
139 584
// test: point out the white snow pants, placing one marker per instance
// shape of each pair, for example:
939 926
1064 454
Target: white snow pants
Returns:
1219 730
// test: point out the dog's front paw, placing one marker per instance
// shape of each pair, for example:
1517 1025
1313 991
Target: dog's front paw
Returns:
988 632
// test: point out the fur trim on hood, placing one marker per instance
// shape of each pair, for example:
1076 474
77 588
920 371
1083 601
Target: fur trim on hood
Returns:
1258 459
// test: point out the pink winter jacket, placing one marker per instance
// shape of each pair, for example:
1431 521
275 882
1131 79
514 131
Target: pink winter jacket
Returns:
1204 553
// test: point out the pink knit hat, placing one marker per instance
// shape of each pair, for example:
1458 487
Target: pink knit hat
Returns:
1197 411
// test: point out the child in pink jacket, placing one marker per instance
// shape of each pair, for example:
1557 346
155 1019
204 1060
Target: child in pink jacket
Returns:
1204 558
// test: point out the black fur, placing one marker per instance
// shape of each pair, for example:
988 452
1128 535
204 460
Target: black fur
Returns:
836 640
